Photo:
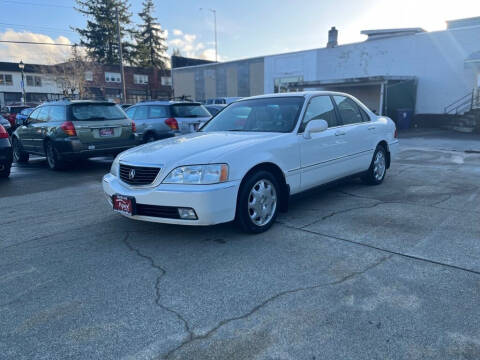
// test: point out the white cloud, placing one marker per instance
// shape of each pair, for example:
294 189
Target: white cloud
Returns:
33 54
189 47
177 32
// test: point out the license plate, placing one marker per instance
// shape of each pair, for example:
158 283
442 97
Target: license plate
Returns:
106 132
123 204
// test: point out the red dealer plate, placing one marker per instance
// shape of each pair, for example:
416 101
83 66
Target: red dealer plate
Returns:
106 132
123 204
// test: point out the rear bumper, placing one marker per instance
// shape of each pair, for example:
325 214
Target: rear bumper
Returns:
71 147
213 204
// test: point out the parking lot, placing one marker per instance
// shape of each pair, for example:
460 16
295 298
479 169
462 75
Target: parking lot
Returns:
350 272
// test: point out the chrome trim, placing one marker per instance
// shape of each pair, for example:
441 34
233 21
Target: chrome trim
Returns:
153 184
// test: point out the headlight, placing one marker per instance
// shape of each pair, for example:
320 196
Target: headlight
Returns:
198 174
114 168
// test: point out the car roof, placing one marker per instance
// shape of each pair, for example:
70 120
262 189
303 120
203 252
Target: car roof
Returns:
166 102
73 102
299 93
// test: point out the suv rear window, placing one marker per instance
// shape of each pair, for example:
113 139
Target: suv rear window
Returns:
84 112
189 111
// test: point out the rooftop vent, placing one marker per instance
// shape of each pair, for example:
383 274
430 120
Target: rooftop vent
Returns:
386 33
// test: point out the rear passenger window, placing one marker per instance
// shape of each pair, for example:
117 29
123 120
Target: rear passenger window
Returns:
349 110
57 113
158 111
141 113
320 108
43 114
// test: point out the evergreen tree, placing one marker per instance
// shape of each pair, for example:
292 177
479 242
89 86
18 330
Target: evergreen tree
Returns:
151 49
99 36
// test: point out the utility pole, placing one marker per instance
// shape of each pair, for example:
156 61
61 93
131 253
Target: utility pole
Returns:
214 12
120 53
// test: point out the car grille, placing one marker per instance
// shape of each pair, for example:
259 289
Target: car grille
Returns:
169 212
141 175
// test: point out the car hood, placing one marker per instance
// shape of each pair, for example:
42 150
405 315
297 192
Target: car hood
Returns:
195 148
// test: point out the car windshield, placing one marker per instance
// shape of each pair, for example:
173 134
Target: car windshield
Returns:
189 111
275 114
83 112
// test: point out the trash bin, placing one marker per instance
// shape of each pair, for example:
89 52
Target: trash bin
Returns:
404 118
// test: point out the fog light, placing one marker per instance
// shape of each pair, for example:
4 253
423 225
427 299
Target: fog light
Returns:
187 213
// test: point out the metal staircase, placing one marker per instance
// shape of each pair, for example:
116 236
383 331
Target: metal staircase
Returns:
465 113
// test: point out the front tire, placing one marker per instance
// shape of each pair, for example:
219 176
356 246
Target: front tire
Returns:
19 155
378 167
53 158
258 202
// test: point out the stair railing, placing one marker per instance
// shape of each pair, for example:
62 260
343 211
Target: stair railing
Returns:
465 103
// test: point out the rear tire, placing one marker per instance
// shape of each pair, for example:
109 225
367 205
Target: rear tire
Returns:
53 158
258 202
19 155
5 171
378 167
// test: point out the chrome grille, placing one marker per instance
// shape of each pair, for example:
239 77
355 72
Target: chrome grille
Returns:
138 175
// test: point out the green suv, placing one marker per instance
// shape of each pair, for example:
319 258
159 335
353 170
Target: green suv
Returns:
65 130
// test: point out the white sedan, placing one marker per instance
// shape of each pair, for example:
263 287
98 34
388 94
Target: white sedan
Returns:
245 162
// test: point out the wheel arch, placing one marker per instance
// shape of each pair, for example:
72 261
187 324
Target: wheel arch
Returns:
277 172
385 146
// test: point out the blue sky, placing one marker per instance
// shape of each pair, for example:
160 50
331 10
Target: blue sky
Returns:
246 28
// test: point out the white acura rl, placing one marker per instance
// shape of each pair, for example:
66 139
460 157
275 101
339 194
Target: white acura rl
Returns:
246 161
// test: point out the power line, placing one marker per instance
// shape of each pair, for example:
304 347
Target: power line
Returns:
35 43
38 27
36 4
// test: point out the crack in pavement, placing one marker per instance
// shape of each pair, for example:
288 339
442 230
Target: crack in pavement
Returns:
271 299
162 273
413 257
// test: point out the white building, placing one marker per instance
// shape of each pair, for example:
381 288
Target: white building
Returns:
427 72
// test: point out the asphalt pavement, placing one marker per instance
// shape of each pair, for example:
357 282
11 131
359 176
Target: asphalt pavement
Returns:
350 272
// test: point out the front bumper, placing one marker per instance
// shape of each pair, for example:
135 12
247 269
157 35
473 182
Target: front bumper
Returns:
6 153
213 204
393 149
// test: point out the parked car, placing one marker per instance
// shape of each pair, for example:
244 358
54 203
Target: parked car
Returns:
214 109
162 119
6 157
245 168
65 130
6 124
10 112
221 100
23 115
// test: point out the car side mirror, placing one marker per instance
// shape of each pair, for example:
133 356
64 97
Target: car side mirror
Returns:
314 126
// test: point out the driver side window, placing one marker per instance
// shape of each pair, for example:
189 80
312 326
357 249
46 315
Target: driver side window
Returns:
320 108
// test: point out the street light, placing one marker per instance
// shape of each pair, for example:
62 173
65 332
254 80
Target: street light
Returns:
214 12
21 65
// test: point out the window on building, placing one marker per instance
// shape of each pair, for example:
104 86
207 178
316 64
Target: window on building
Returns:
348 110
34 80
166 81
6 79
88 75
282 84
112 77
140 79
320 108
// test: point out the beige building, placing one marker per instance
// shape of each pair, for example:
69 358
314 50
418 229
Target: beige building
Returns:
228 79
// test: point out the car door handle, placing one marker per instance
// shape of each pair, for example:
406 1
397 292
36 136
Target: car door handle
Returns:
340 133
371 128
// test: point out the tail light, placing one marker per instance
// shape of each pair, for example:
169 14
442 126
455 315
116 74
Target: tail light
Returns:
134 127
172 123
3 133
68 128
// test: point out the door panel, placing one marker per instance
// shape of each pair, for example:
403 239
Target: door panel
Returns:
39 129
321 154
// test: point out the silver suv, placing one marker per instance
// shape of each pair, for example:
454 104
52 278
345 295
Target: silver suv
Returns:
157 120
